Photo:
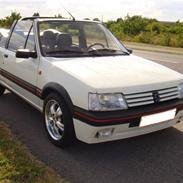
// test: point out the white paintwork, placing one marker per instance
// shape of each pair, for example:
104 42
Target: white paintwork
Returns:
79 76
25 69
20 95
117 72
124 74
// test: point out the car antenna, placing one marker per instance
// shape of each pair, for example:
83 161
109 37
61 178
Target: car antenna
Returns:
73 18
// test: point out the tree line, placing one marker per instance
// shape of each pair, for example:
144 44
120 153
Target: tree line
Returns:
7 21
145 30
133 29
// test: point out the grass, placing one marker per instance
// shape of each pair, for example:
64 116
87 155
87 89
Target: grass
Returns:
18 165
155 48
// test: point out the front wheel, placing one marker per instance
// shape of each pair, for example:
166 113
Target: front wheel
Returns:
58 121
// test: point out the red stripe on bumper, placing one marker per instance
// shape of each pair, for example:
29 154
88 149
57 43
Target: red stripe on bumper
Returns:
101 120
122 119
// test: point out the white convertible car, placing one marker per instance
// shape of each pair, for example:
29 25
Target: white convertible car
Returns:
86 83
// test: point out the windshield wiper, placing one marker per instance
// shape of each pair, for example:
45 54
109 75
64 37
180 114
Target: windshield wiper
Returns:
100 52
94 52
64 51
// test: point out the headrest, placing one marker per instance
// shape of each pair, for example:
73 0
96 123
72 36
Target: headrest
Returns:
64 40
48 35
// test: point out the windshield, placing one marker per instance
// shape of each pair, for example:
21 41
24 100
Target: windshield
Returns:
77 38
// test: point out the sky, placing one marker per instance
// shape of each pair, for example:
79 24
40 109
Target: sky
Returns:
164 10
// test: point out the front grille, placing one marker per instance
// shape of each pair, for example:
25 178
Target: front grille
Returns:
151 97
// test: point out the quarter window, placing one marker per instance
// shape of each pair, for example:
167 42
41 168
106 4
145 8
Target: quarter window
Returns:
19 35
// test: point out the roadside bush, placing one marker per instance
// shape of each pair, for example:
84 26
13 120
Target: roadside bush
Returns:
161 39
144 30
176 41
143 37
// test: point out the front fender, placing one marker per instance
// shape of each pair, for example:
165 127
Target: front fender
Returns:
57 88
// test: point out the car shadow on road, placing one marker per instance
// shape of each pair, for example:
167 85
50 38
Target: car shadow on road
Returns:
156 157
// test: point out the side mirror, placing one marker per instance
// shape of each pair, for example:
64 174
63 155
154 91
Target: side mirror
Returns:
130 51
25 53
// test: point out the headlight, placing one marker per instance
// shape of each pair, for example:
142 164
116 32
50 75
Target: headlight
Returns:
180 87
106 102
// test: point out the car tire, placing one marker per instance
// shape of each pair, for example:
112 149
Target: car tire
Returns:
58 121
2 90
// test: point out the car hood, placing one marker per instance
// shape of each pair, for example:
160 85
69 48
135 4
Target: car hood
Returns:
117 73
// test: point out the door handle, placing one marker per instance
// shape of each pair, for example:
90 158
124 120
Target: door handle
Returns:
5 56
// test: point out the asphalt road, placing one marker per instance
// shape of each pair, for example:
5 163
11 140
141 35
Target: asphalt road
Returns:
152 158
170 60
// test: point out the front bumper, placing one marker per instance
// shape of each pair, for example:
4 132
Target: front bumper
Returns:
125 123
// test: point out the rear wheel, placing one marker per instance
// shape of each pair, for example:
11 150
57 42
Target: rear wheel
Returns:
58 121
2 90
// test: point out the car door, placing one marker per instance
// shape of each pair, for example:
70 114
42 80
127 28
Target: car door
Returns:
3 39
21 72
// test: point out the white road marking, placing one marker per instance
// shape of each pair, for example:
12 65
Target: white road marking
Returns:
169 61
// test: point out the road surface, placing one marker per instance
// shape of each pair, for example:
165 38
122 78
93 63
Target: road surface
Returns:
173 61
152 158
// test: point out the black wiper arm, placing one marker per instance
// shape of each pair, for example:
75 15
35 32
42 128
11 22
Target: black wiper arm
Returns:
112 50
64 51
107 49
98 51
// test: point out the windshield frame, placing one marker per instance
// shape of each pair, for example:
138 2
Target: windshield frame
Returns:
124 50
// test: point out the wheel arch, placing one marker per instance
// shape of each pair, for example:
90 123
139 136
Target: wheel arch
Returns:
60 90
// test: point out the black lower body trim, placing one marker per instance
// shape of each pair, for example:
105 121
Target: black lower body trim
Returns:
20 82
131 115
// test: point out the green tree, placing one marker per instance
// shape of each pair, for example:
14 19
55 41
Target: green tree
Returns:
8 21
134 25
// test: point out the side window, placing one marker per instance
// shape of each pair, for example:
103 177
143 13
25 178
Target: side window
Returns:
31 41
19 35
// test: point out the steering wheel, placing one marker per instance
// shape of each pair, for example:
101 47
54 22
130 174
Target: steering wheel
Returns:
95 44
